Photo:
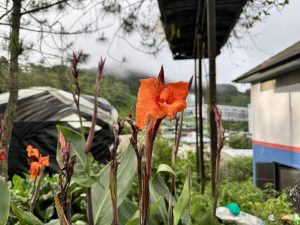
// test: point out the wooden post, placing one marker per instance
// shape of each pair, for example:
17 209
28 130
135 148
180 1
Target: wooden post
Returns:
200 103
211 37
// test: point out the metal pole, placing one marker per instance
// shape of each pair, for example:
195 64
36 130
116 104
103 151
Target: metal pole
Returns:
196 123
211 34
200 94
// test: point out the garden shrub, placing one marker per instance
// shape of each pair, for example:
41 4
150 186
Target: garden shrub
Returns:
239 142
237 169
44 208
235 125
250 199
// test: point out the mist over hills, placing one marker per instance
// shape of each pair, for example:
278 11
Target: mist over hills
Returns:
118 86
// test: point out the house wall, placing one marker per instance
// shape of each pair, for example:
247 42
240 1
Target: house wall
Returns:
276 121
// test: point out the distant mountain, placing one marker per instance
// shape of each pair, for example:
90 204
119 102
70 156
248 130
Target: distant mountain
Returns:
228 94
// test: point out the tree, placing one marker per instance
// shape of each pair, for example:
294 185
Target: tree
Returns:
29 16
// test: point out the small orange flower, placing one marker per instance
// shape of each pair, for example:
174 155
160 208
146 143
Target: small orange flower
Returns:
44 161
35 169
32 152
37 161
157 100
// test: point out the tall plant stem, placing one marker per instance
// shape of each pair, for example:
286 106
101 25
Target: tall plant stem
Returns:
145 202
90 206
113 191
140 178
36 190
139 155
179 123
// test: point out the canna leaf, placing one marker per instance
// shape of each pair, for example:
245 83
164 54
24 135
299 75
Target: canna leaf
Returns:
25 217
4 201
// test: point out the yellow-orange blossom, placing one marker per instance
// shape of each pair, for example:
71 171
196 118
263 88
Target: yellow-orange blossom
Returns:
158 100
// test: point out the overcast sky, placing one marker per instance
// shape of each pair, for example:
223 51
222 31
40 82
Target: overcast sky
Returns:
277 32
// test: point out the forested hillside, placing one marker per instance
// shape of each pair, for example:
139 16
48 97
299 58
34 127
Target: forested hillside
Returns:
120 91
114 90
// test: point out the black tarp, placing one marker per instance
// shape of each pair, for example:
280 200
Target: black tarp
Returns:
37 118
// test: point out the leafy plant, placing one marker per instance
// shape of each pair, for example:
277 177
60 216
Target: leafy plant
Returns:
237 169
4 201
250 199
239 142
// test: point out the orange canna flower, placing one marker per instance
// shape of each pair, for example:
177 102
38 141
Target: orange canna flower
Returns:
32 152
157 100
35 168
44 161
37 161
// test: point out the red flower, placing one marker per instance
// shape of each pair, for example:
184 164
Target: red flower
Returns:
2 154
157 100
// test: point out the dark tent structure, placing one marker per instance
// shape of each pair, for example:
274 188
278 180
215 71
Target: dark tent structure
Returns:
39 110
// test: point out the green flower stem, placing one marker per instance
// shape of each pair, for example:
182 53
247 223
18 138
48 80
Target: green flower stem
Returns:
113 190
36 190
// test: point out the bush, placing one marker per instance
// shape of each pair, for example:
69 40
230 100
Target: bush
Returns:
239 142
249 198
44 209
238 169
235 125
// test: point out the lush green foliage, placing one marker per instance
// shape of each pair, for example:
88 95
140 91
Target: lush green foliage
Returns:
4 201
59 77
44 210
239 142
228 94
237 169
235 125
249 198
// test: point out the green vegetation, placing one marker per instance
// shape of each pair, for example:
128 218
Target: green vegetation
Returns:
237 169
228 94
249 198
238 142
235 125
116 91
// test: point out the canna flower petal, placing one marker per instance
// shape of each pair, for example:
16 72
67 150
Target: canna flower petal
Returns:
158 100
180 89
32 152
35 169
44 161
147 103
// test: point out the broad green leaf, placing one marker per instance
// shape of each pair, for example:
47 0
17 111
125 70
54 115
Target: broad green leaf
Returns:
161 213
161 188
4 201
165 168
102 206
154 207
25 217
182 201
81 174
208 219
186 218
47 213
53 222
126 211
